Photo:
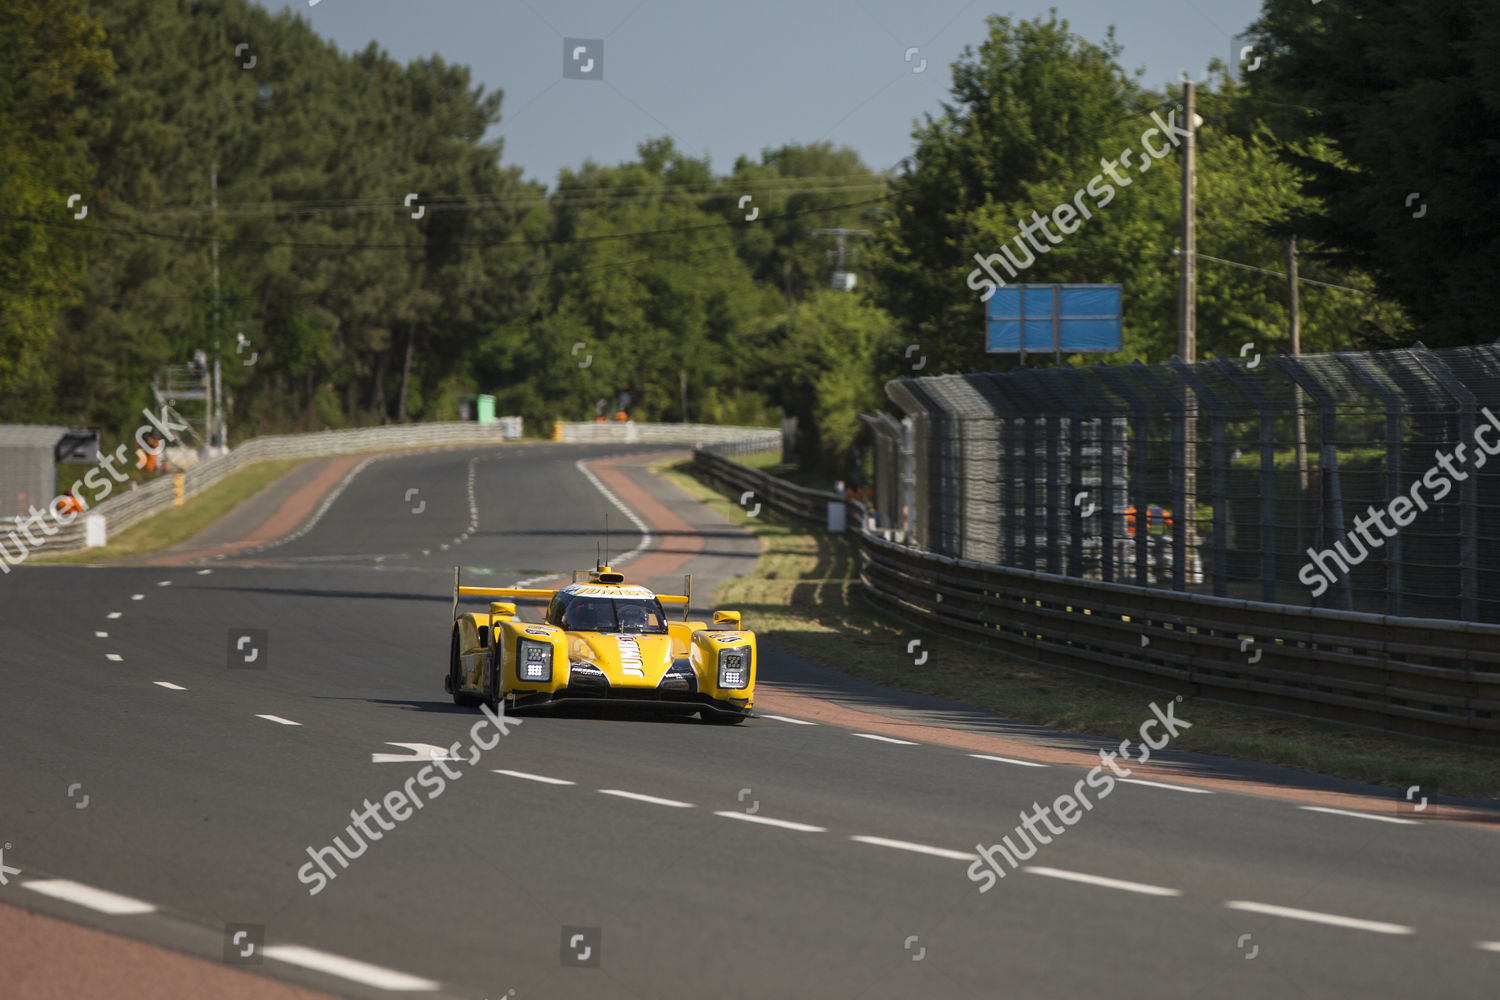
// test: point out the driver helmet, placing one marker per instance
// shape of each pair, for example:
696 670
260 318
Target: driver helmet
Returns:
632 617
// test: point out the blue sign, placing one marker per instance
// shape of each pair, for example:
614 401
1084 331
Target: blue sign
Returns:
1037 319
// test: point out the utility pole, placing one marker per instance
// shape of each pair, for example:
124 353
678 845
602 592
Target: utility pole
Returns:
215 409
842 280
1296 318
1294 308
1187 289
1187 332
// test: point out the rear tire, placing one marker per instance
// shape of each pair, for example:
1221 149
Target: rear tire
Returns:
459 699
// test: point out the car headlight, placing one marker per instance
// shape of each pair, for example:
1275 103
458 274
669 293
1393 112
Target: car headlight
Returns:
734 667
533 660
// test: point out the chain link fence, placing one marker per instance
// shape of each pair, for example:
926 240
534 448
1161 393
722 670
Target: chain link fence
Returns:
1361 482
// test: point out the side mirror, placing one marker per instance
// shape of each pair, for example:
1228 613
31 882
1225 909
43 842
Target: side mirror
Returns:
502 609
728 621
484 637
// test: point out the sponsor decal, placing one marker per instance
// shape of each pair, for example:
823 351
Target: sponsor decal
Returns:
630 656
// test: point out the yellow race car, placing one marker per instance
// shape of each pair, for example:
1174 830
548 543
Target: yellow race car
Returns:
603 641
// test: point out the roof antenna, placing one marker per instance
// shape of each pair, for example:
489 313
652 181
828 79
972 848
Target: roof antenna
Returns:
606 529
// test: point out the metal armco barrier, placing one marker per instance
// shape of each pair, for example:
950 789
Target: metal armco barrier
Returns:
1422 677
630 432
124 510
777 494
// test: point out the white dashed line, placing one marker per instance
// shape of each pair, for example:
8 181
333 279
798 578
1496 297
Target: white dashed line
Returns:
164 583
114 657
1099 880
1360 815
535 777
784 718
347 968
1007 760
1163 784
785 824
85 895
277 718
169 685
137 597
1313 916
101 635
884 739
113 615
1487 945
906 845
204 572
637 796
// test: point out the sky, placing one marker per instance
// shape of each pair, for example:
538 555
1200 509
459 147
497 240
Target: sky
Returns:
726 79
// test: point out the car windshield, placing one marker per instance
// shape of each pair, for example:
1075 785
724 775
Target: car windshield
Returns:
604 614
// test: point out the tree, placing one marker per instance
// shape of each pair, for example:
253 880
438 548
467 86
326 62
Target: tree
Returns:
1397 138
1030 104
828 373
51 56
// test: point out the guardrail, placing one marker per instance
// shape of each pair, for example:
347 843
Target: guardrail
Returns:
629 432
1423 677
128 509
777 494
125 510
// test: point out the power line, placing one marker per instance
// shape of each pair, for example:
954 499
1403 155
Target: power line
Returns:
473 244
1278 274
584 196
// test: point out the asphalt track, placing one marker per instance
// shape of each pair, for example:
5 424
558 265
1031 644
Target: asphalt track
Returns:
731 865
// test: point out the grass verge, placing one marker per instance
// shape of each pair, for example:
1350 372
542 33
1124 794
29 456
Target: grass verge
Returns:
771 464
178 524
804 597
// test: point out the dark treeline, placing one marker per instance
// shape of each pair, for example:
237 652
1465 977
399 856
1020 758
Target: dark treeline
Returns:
645 277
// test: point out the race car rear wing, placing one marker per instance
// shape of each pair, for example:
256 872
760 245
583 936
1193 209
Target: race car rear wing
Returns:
525 593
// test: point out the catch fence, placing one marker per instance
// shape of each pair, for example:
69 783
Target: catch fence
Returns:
1359 482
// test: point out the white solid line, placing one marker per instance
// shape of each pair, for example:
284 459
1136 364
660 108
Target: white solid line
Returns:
1163 784
1359 815
1108 883
768 821
101 635
784 718
646 798
85 895
906 845
1333 919
883 739
277 718
137 597
169 685
646 536
113 614
347 968
1487 945
116 657
535 777
1007 760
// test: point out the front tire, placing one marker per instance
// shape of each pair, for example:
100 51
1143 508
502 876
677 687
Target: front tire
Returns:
459 699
